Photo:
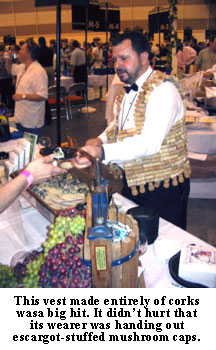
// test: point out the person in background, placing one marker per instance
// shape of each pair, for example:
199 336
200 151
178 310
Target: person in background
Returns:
189 54
21 42
97 56
31 89
5 78
78 63
46 60
147 137
38 170
206 57
180 59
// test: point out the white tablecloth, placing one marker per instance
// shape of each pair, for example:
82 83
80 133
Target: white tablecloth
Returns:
99 80
202 139
66 81
20 230
93 80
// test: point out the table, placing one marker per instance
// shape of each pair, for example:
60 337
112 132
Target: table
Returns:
99 80
66 81
155 261
202 153
93 80
26 229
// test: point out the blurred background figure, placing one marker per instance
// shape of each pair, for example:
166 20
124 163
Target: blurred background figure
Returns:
206 57
46 60
31 89
78 63
6 90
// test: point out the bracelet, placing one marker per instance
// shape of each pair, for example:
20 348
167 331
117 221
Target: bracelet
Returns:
28 177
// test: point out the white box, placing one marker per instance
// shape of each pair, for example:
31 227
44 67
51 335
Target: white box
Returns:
9 168
198 265
14 159
25 144
20 152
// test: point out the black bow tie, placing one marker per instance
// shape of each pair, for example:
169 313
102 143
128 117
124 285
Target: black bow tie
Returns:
132 87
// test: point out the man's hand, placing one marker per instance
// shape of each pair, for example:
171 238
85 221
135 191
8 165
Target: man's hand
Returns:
83 162
42 168
94 142
17 97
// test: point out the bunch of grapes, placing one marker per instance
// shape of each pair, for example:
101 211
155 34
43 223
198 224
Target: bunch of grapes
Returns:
7 277
65 231
62 227
72 212
20 268
32 272
63 267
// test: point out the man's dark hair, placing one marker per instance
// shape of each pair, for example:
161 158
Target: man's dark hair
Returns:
138 41
75 43
212 38
42 41
33 48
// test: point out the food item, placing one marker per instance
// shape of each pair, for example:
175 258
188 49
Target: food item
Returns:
63 267
66 165
61 191
58 263
7 277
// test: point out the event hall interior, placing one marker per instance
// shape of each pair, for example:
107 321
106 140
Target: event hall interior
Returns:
175 30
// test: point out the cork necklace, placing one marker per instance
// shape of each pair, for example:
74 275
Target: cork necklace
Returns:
123 120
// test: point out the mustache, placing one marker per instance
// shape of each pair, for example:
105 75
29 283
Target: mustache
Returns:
119 71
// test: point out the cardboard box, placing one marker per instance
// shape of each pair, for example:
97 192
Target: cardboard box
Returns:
198 265
9 168
20 152
25 145
14 159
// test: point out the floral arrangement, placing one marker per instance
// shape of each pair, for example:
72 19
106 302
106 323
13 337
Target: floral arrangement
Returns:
172 30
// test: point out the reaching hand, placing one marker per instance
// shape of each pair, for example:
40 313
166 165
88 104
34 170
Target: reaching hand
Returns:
42 168
83 162
94 142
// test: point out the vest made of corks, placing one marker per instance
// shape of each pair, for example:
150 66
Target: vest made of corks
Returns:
171 162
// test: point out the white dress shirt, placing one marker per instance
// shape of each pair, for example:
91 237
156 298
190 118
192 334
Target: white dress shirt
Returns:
163 110
34 80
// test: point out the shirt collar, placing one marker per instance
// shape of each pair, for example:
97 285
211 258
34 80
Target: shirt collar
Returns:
140 81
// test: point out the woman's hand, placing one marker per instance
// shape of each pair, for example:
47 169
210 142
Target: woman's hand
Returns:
42 168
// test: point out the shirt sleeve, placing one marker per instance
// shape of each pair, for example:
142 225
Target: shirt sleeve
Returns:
164 109
41 85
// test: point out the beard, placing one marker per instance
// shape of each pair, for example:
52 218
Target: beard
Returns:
126 77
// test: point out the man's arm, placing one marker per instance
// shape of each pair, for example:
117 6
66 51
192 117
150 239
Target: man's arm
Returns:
30 97
41 169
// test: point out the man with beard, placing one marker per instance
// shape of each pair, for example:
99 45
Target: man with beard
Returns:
147 137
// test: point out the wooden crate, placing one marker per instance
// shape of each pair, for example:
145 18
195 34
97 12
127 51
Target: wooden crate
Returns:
125 274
